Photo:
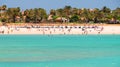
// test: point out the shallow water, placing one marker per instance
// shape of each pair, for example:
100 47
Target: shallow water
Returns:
59 50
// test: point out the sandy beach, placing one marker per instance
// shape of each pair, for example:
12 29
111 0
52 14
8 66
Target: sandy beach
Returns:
63 29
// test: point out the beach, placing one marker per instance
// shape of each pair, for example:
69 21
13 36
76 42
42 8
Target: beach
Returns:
60 29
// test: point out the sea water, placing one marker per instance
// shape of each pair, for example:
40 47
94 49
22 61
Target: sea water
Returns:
59 50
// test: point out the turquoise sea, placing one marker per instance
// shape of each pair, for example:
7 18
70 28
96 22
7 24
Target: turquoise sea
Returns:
59 50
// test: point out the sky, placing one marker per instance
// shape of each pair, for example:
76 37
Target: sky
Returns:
54 4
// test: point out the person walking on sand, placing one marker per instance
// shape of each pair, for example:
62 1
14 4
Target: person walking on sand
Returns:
84 29
2 29
8 30
99 29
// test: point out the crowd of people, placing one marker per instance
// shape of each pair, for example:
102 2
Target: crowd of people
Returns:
37 29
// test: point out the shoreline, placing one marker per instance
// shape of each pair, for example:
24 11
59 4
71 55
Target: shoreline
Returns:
60 34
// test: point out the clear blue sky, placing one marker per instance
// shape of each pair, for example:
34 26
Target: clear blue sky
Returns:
54 4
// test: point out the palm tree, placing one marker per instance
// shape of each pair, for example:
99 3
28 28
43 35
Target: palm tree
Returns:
67 10
2 12
106 13
106 10
116 13
75 11
35 15
60 12
43 14
84 15
40 14
4 7
12 13
96 15
52 12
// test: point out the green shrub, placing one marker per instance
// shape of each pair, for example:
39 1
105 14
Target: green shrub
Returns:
74 18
